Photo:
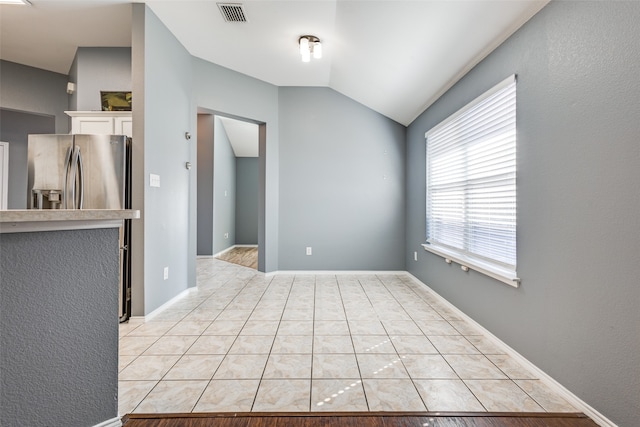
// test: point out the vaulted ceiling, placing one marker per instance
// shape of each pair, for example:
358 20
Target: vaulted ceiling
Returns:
394 56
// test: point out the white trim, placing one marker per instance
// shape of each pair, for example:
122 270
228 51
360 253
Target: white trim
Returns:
4 179
574 400
164 306
113 422
503 275
330 272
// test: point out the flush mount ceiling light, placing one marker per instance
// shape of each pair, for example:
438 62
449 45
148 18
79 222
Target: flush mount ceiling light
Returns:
310 45
19 2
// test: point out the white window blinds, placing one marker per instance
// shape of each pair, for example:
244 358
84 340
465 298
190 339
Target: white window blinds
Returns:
471 181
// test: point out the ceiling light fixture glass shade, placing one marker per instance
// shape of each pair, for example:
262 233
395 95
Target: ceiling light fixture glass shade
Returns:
317 50
310 46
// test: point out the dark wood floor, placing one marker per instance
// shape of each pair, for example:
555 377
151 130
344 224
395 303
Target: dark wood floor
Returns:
359 420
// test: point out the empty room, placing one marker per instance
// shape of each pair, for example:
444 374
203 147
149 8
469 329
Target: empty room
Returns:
340 207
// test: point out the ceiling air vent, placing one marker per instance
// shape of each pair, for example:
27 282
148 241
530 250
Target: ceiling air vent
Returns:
232 12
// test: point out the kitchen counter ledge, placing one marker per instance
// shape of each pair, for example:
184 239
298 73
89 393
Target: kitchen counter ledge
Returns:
32 220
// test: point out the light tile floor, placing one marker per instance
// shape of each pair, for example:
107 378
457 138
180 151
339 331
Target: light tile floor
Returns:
244 342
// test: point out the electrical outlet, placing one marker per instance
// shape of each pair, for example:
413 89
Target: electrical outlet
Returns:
415 256
309 252
166 273
226 235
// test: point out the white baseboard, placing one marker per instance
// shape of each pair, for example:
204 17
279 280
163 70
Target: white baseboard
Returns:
113 422
164 306
330 272
574 400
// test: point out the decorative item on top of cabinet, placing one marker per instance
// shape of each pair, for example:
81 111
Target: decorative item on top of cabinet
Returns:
101 122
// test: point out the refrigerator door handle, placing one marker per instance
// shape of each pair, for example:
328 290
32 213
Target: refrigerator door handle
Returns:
67 166
74 176
81 180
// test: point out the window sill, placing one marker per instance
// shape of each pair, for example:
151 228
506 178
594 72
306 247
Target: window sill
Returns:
501 274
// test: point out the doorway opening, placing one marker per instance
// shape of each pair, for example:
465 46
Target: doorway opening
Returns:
230 189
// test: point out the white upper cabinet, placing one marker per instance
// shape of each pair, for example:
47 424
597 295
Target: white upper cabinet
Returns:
101 122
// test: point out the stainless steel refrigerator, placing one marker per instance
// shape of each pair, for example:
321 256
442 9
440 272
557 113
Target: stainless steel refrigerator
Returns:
84 172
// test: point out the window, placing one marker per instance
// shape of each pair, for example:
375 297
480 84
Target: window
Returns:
471 185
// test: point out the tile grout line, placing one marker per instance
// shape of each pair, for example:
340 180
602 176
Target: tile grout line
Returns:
400 358
260 380
462 335
202 334
163 376
385 289
313 341
439 352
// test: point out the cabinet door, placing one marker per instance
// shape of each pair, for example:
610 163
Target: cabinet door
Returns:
123 126
92 125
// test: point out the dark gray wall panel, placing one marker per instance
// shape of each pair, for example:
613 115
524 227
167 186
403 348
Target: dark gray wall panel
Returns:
341 184
247 195
32 90
205 184
576 313
59 328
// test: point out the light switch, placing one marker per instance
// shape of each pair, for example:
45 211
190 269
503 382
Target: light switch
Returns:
154 180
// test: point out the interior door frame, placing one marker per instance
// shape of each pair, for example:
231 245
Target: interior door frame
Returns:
262 129
4 175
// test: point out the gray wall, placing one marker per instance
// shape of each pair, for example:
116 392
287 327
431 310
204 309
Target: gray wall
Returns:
33 90
59 328
161 71
576 313
224 189
96 69
222 90
139 179
15 127
341 184
247 197
205 184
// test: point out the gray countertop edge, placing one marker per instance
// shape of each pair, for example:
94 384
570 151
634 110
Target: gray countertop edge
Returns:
32 220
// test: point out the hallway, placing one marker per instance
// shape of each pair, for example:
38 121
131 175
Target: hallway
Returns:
243 342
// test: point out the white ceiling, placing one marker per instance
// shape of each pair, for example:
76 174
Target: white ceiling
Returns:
47 34
242 135
394 56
